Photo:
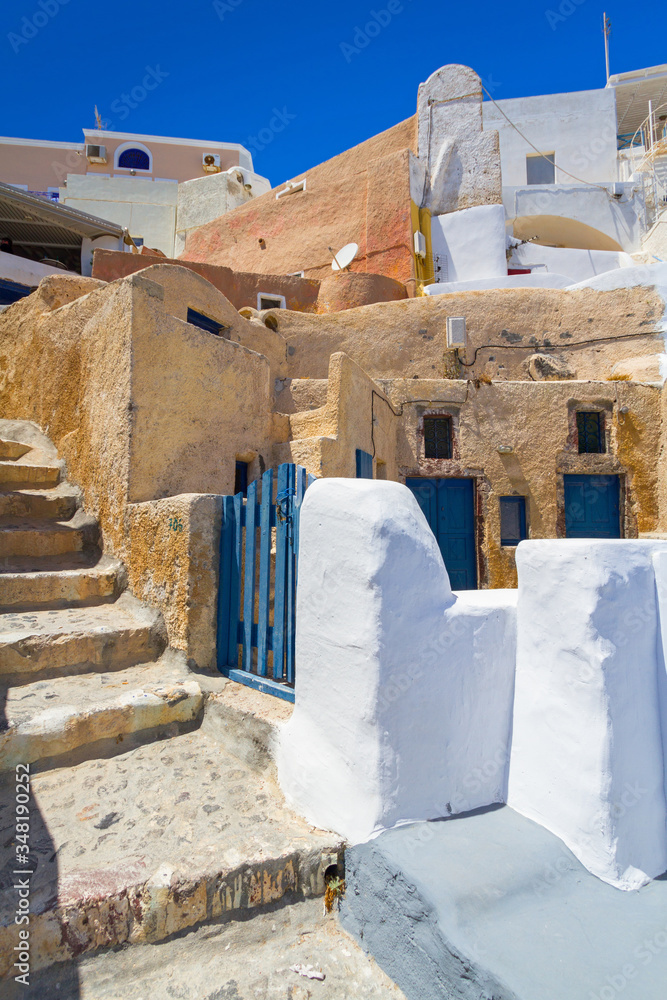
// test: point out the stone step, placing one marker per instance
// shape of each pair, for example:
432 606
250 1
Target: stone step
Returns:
58 582
140 846
48 719
229 960
13 449
59 503
73 640
30 537
20 474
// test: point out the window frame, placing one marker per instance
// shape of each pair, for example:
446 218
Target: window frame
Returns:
520 502
142 171
531 157
270 295
206 323
442 418
601 432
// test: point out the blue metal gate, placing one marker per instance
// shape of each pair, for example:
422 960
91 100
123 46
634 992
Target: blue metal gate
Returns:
257 596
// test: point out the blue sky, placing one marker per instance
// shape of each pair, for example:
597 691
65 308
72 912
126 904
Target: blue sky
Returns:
221 68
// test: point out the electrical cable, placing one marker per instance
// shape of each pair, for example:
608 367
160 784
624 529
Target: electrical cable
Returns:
549 347
540 153
409 402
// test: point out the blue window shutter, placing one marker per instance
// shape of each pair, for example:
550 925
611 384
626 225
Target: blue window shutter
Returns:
364 465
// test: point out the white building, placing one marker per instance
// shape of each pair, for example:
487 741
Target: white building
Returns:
584 187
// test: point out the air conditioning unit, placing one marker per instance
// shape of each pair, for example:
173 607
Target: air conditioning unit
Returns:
420 244
211 163
456 331
96 154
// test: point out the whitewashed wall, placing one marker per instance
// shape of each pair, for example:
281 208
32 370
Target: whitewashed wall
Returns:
404 690
579 127
470 243
408 696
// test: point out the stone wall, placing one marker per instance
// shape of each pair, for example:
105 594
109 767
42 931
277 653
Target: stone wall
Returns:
589 329
361 196
146 410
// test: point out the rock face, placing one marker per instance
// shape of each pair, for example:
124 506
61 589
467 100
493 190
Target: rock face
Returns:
548 368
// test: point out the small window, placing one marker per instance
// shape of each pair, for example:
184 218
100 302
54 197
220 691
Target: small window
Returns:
265 301
380 469
590 433
134 159
512 520
241 479
205 322
541 169
364 465
438 437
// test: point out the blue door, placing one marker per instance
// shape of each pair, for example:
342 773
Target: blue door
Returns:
449 508
592 507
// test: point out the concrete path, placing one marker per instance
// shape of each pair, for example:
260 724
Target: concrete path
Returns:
493 907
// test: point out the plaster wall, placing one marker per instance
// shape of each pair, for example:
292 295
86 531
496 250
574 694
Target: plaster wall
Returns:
470 244
203 199
587 756
462 161
146 207
417 681
24 271
578 216
579 127
536 419
577 265
240 288
362 196
591 329
355 413
42 164
145 409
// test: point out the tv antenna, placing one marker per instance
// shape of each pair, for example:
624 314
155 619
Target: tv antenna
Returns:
606 28
342 260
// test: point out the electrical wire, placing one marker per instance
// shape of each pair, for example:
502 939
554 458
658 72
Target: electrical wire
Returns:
540 153
409 402
527 347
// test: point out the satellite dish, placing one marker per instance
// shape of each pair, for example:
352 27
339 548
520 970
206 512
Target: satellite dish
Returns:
344 257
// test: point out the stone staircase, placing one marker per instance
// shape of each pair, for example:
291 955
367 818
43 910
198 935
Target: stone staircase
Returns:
143 821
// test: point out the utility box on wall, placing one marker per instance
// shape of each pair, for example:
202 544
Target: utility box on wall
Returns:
456 331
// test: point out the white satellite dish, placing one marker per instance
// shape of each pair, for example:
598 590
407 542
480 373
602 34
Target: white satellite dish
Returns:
344 257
